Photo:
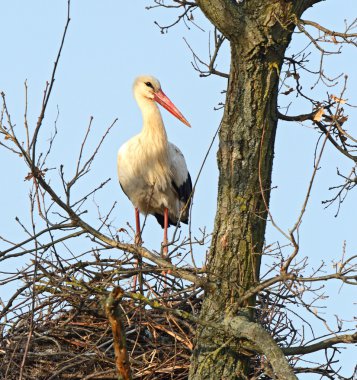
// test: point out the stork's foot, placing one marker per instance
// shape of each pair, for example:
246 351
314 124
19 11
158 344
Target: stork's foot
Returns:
135 278
165 250
137 240
165 253
139 243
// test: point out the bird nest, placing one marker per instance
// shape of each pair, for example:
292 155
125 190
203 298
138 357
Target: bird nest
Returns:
57 326
77 343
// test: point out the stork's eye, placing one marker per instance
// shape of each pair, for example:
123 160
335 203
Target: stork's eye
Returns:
149 84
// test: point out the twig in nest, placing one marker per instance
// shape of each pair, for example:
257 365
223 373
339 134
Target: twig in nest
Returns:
114 315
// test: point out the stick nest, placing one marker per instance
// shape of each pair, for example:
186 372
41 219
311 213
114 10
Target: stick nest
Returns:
77 343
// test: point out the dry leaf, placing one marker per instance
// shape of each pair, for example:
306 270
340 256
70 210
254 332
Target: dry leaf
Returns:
343 119
28 177
38 172
334 40
318 114
338 100
288 91
294 75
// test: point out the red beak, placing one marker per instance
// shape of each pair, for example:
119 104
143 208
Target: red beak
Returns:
164 101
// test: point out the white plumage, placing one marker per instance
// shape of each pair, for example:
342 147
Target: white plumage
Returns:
152 171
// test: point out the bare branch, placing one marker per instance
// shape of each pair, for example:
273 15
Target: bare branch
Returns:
211 66
49 86
344 35
323 345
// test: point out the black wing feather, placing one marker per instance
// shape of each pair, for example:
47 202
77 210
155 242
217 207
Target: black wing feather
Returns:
160 220
184 190
184 193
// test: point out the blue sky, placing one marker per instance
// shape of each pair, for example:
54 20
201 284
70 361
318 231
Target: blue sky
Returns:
109 43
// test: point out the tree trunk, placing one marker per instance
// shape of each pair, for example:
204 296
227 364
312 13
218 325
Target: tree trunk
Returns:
259 38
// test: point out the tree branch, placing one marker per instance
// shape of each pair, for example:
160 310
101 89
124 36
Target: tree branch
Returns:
309 3
330 32
49 86
312 116
327 343
256 334
223 14
302 117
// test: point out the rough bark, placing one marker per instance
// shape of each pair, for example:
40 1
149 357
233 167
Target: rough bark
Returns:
259 33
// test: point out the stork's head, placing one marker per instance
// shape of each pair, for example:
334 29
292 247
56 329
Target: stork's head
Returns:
149 88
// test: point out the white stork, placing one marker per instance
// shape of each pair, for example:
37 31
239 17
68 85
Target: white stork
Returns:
152 171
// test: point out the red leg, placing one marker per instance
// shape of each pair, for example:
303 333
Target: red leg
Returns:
166 225
165 249
137 241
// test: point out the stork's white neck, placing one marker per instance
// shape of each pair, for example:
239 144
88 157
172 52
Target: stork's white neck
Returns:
154 145
153 126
